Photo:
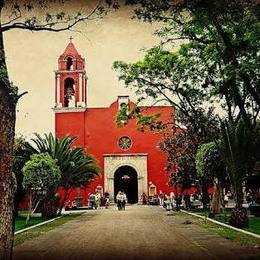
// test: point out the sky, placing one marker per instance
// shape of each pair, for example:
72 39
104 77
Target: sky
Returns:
32 59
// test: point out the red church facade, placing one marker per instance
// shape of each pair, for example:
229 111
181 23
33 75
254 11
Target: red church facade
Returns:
129 159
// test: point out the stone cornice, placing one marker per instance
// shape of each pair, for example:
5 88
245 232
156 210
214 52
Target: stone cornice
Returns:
69 110
125 154
69 71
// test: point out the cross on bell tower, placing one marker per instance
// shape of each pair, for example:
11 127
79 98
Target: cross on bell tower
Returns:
70 80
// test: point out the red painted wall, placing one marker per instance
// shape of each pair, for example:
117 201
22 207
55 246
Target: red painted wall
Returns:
98 132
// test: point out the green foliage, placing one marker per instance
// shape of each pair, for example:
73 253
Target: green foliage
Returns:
144 121
151 122
77 168
122 115
227 233
35 232
239 148
174 77
200 159
20 156
222 49
41 173
209 162
21 224
254 222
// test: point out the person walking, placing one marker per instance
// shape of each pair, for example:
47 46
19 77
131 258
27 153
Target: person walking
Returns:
172 199
161 198
98 200
144 198
168 203
119 200
92 201
106 195
124 200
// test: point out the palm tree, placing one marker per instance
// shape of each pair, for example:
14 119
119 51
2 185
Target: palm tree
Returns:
77 168
239 149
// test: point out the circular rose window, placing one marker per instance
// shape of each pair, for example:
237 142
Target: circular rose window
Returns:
124 142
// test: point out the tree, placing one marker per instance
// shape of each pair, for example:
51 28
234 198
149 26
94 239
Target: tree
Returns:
223 36
77 168
22 17
209 165
20 156
239 148
173 77
41 177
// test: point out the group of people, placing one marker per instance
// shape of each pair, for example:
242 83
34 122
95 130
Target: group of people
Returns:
97 200
167 201
171 202
121 200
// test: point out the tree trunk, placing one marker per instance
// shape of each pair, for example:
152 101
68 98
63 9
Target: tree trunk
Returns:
29 209
50 205
239 217
205 194
216 200
7 128
66 194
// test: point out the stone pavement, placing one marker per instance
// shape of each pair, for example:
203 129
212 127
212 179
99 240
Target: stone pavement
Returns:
140 232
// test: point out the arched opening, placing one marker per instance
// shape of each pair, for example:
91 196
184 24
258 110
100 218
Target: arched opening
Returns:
69 92
125 179
69 64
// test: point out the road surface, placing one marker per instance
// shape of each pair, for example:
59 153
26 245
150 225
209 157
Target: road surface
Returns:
140 232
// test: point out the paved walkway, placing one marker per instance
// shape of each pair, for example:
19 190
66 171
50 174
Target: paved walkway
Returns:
140 232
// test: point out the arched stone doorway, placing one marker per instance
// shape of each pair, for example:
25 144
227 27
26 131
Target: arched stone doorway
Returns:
112 162
125 179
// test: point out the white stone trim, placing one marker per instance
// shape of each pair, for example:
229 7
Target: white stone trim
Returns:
124 154
81 104
80 87
58 89
58 105
69 109
37 225
114 161
69 71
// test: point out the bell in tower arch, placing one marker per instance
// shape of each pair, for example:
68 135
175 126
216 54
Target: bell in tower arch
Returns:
69 88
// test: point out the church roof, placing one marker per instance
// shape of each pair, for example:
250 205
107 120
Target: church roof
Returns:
70 50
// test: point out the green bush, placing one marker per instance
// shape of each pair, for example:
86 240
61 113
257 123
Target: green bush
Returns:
41 172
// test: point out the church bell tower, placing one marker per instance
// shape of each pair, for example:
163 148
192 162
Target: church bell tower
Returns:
70 81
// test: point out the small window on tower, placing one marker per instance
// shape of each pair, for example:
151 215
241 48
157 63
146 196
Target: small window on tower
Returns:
69 64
